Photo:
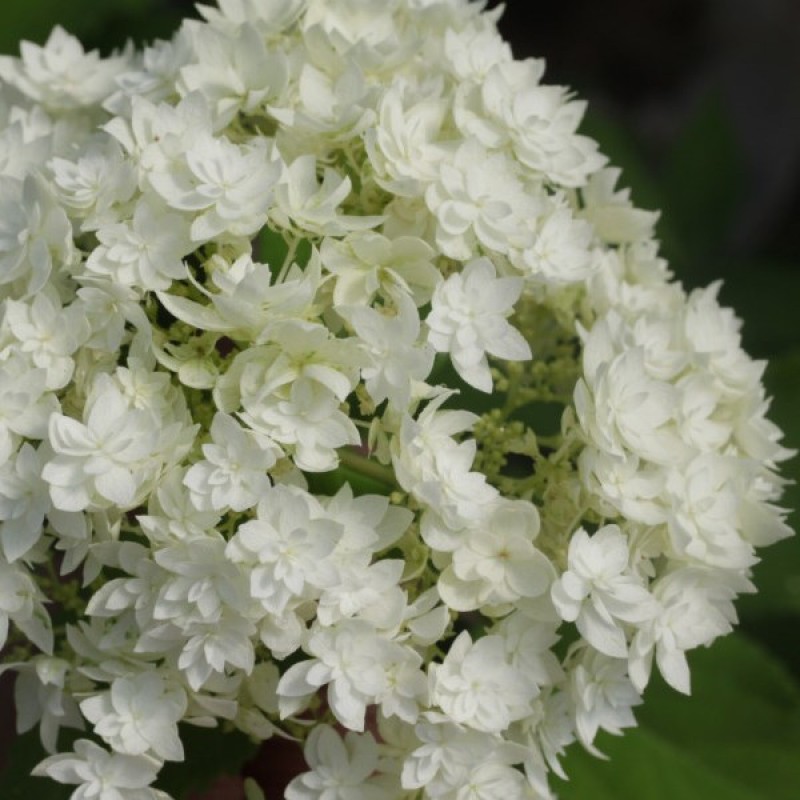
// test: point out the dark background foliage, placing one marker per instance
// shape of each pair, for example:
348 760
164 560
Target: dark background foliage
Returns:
699 102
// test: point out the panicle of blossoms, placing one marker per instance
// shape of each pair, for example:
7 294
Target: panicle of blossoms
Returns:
254 283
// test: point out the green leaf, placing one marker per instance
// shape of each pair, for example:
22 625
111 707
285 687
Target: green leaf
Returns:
764 295
743 700
16 782
737 736
739 693
778 575
703 181
643 766
777 579
106 25
270 248
624 150
210 753
328 483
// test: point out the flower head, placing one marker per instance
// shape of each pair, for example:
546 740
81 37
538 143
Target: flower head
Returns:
344 395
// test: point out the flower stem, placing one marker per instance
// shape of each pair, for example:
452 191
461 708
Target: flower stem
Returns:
368 467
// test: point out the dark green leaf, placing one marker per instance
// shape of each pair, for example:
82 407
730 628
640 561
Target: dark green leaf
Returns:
16 782
643 766
737 736
270 248
703 182
778 575
209 754
105 25
764 295
624 150
328 483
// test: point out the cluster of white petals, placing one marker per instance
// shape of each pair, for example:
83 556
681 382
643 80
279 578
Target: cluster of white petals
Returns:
286 304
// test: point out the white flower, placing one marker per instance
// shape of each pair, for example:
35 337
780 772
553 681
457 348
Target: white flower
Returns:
101 775
468 319
249 303
370 592
626 484
202 584
270 17
714 335
42 694
21 602
477 686
313 206
230 185
705 516
152 75
340 768
291 390
598 591
91 185
472 52
353 659
61 75
49 333
407 688
336 106
695 607
560 251
24 500
455 495
362 31
369 522
235 72
529 643
300 350
113 457
479 200
626 410
430 464
398 359
109 307
233 473
139 715
285 548
157 136
35 234
700 402
496 781
611 213
227 263
602 695
25 140
449 752
403 147
257 699
369 263
146 252
496 561
25 403
215 648
308 419
541 122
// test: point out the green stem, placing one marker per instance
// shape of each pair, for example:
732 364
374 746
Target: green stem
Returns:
288 260
566 448
368 467
511 404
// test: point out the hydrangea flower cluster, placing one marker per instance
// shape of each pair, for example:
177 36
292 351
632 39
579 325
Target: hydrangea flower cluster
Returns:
344 397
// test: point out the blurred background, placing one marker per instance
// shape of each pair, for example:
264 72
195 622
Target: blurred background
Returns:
699 102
